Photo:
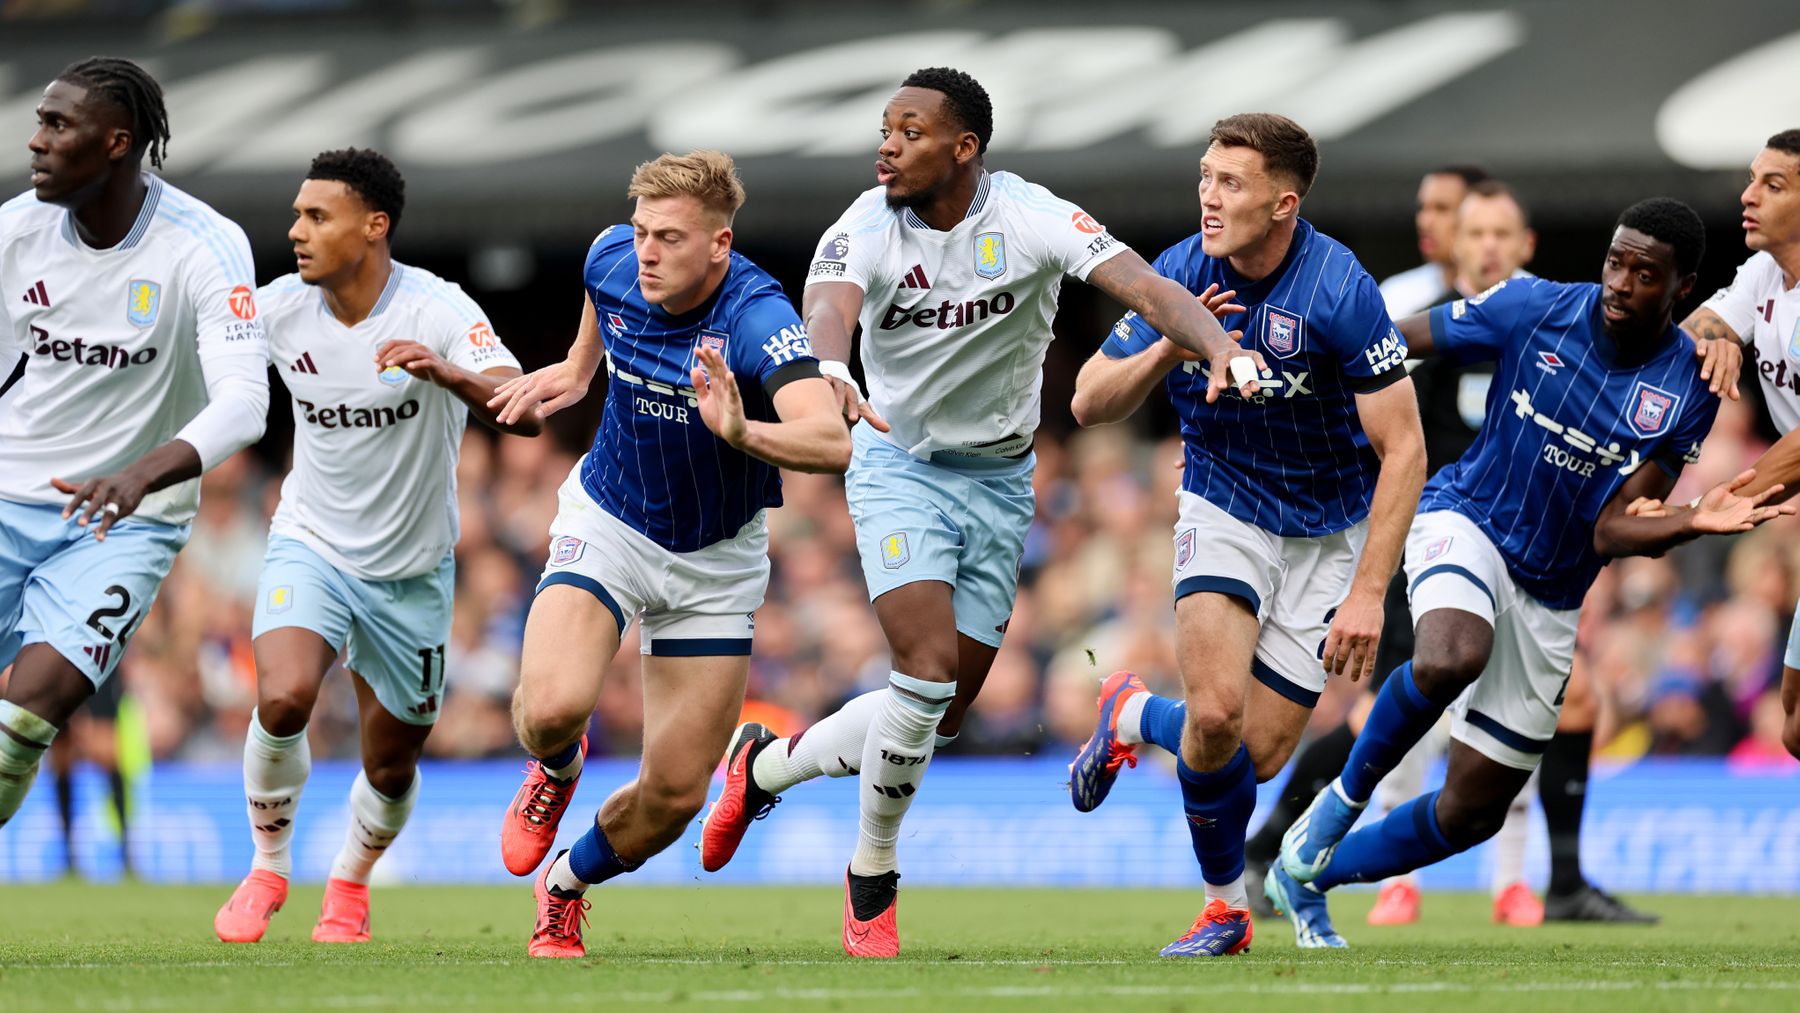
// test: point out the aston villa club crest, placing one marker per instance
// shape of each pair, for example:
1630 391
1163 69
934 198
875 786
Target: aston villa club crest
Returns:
143 299
894 551
990 255
1184 549
1652 409
1282 333
393 376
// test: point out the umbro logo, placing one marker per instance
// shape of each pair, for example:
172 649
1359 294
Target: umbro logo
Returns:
915 278
1550 362
37 295
304 364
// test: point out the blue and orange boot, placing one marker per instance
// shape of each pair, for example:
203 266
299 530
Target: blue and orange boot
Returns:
1220 931
1097 765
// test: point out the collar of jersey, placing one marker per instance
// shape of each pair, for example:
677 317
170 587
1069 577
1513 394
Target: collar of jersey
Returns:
912 219
382 303
1249 293
152 195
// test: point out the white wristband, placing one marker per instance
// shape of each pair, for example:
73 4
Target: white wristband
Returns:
840 371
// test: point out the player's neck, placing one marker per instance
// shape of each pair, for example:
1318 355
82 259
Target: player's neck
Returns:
105 221
950 205
1788 259
687 303
1255 263
353 299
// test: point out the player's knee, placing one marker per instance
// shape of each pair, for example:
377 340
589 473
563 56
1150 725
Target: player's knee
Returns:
391 778
1466 822
283 710
928 664
1213 720
546 721
1448 669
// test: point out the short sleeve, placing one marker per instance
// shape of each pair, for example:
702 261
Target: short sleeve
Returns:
850 250
1368 345
468 339
1478 328
1736 303
1070 238
766 338
221 282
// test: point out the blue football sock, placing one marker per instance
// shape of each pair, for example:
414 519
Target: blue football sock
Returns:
1161 722
593 859
1218 804
561 759
1400 718
1407 839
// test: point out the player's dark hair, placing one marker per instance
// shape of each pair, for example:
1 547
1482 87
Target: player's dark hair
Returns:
966 99
370 174
1494 188
127 86
1786 142
1672 222
1469 173
1287 149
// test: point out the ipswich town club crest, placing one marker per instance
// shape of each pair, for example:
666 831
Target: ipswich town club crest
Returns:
566 550
1184 549
1437 548
1652 409
1282 333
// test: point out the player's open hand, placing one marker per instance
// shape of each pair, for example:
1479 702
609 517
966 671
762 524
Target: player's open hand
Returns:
111 497
1219 304
1723 511
1721 360
721 403
418 360
1354 635
549 390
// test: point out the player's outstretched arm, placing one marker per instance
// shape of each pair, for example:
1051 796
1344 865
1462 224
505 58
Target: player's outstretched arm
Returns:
1720 349
1727 508
830 309
1109 390
1416 329
474 389
811 435
1173 311
1390 417
555 387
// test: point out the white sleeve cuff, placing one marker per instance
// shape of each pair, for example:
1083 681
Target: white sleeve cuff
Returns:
840 371
237 406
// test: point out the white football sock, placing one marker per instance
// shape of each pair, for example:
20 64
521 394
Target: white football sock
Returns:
275 773
1509 843
19 759
562 877
832 747
375 820
1131 719
900 743
1231 893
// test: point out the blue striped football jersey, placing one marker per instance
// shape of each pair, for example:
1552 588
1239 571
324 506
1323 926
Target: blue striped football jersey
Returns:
1566 425
655 465
1293 460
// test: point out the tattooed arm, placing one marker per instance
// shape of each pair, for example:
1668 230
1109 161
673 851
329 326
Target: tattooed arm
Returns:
1720 349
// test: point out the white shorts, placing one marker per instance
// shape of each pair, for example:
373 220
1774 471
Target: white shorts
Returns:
1294 585
694 604
1509 714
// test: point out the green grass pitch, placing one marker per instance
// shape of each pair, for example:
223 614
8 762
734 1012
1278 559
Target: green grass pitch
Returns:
68 946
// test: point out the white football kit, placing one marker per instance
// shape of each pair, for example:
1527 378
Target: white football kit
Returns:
360 545
123 350
1765 313
954 329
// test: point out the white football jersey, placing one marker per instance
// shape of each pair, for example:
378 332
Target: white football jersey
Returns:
1765 313
115 341
955 324
1414 290
373 487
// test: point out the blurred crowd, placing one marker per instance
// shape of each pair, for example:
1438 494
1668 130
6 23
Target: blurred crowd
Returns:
1685 650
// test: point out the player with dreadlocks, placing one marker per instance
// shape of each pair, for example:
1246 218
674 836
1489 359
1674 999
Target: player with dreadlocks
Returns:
142 365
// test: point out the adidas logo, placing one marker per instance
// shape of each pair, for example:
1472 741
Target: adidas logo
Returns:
915 278
101 653
304 364
37 295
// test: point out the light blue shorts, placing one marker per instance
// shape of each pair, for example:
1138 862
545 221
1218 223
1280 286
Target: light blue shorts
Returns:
59 586
962 522
392 631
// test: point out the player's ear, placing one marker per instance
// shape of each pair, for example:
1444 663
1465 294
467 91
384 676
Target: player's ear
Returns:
1287 205
376 225
1530 247
118 145
1684 286
722 244
968 147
